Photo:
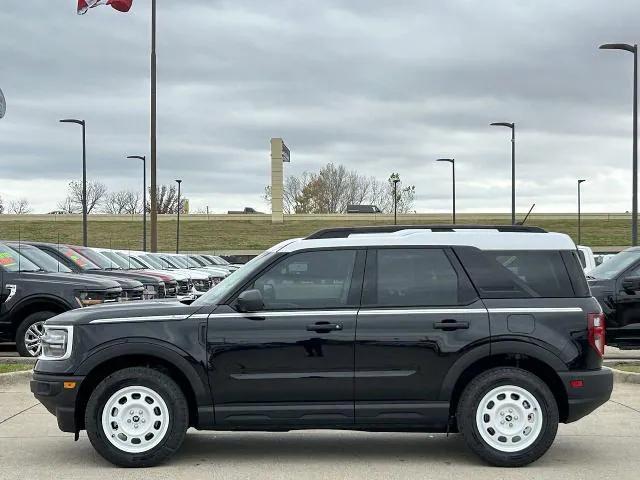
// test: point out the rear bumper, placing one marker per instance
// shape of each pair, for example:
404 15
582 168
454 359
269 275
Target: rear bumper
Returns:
60 400
595 391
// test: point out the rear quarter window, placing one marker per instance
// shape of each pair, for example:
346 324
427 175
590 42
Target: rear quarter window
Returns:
517 274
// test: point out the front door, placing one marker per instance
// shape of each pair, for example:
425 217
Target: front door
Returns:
624 329
292 362
419 314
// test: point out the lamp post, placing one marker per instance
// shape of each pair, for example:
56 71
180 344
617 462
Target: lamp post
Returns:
154 186
634 210
512 126
178 181
580 182
84 176
144 198
395 181
453 171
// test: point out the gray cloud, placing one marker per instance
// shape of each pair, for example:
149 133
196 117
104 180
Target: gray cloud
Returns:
379 86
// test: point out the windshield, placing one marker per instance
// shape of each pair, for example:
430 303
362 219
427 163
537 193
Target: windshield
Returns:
199 261
44 261
97 258
132 261
12 261
232 282
80 260
181 261
170 263
615 265
115 260
154 261
220 260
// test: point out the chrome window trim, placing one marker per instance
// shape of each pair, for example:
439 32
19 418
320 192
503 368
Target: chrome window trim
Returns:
157 318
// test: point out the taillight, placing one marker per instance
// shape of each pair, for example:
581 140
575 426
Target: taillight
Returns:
596 332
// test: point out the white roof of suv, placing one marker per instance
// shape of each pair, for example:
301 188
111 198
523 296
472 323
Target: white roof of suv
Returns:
484 239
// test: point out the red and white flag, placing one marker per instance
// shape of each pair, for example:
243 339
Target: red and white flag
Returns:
120 5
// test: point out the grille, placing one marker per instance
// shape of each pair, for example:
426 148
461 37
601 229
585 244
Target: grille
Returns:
132 294
183 287
171 289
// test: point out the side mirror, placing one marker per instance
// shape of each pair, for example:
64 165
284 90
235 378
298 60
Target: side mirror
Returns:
250 301
631 285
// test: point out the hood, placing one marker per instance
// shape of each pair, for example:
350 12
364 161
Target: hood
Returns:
125 281
169 275
601 286
69 279
172 310
222 272
195 274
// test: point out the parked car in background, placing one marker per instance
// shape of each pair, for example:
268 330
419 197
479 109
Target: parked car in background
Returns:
218 260
132 285
363 209
29 295
492 334
245 211
616 285
587 258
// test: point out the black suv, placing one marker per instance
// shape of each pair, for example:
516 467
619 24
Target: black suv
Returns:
488 331
29 296
616 285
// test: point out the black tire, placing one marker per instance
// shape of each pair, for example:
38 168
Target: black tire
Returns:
162 385
479 387
24 326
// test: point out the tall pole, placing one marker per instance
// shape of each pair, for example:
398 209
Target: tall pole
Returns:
634 208
84 185
579 214
154 186
512 126
452 161
178 226
83 124
395 201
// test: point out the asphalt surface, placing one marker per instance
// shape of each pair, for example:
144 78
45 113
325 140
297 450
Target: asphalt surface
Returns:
604 445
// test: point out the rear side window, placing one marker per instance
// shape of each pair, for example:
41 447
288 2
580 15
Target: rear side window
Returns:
517 274
413 277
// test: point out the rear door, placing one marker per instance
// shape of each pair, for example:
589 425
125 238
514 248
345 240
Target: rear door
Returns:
419 314
624 329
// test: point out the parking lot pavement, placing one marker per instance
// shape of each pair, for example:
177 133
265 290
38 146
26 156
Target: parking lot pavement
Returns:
603 445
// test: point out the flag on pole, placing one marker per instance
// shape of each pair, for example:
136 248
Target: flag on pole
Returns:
120 5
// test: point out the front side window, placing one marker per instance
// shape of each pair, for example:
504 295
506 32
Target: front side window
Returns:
308 280
411 277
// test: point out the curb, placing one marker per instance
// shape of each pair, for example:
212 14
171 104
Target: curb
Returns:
13 378
12 360
620 376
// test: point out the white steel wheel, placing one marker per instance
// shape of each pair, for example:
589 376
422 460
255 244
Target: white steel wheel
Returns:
33 338
135 419
509 418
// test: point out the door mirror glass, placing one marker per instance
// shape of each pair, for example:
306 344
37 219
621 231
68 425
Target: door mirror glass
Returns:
250 301
631 284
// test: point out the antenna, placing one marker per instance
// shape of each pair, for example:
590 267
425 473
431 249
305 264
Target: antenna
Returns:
527 216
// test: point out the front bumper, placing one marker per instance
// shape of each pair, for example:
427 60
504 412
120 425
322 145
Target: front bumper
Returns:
596 389
58 398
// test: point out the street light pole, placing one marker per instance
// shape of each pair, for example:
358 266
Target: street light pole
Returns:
634 210
453 171
144 198
579 214
178 226
395 200
154 185
512 126
84 177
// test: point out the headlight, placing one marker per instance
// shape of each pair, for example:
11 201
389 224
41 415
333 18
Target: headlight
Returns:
150 292
57 343
86 299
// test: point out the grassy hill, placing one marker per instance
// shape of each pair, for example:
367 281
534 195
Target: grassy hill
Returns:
217 233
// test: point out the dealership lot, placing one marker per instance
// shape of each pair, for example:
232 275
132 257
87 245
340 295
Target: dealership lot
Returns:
603 445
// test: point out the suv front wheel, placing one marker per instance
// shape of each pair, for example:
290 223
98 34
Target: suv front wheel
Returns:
508 416
137 417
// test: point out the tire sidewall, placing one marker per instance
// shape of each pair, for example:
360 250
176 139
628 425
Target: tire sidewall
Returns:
163 386
477 390
24 326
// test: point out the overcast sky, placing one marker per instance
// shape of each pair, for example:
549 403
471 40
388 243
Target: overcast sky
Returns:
378 86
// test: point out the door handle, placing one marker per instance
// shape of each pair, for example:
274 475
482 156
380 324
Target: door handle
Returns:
450 325
324 327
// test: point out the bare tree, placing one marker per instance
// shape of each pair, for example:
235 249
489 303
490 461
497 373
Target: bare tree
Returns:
167 200
122 202
20 207
333 188
96 192
1 206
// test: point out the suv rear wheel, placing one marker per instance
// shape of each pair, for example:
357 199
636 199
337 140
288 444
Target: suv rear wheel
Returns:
29 332
508 416
137 417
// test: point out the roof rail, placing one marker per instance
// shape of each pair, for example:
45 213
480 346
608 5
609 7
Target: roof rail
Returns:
344 232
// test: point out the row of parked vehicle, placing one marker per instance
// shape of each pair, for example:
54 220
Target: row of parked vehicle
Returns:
41 280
